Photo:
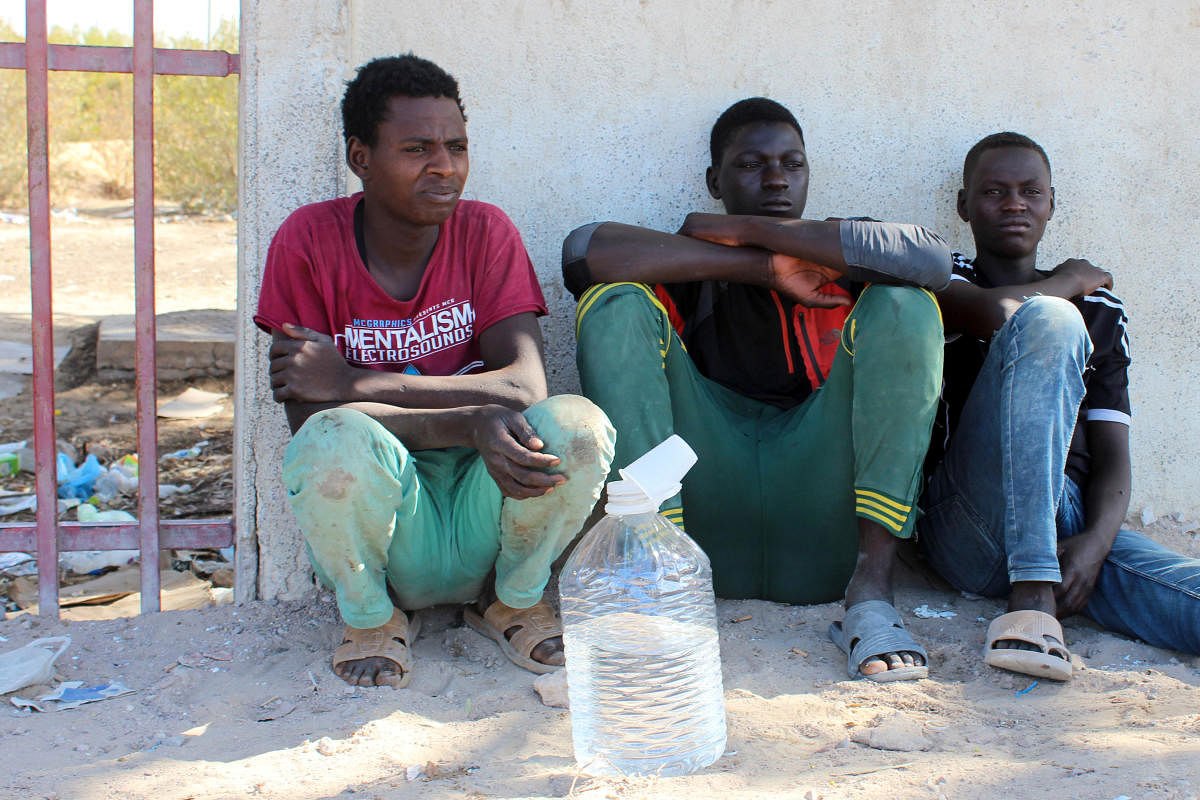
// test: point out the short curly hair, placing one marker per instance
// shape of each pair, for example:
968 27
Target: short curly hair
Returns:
750 111
365 101
994 142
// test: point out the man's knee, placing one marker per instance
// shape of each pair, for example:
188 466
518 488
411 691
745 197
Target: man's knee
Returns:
618 307
1050 322
902 313
334 437
336 424
576 430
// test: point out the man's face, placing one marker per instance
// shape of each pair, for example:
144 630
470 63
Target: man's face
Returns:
763 171
1008 201
418 165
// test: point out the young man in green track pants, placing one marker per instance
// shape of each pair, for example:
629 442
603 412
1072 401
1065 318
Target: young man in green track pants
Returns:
807 393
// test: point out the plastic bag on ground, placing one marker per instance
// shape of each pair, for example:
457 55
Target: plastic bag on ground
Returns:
31 664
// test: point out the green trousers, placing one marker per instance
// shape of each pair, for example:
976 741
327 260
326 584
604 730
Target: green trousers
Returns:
775 494
432 524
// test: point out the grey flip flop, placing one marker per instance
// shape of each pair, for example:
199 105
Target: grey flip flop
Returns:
872 628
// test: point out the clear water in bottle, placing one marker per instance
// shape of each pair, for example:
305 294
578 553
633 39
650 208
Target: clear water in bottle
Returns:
643 662
640 693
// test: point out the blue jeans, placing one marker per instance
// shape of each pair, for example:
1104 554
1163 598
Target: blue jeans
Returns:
1000 500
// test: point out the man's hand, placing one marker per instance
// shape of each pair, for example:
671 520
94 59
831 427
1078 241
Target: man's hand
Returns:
307 367
1080 556
1089 278
801 281
715 228
509 447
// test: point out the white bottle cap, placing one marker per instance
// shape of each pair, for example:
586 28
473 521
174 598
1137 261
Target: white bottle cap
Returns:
626 498
658 473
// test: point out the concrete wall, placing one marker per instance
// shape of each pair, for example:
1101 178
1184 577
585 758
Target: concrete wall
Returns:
600 110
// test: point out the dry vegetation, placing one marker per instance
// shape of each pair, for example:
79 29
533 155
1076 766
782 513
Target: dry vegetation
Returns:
195 129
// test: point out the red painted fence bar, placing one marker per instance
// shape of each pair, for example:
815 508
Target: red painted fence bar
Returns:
48 536
143 273
90 58
175 534
37 120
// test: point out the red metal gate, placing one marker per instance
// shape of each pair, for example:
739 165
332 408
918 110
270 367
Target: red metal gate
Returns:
36 57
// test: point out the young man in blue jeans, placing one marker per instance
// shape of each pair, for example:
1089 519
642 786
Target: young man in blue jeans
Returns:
1034 485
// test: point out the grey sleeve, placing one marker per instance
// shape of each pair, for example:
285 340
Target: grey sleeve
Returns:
887 252
576 275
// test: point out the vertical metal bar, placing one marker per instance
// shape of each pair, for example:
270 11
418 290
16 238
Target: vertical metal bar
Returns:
146 333
45 449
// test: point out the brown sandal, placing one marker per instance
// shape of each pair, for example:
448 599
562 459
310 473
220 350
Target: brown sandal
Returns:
390 640
1050 660
536 624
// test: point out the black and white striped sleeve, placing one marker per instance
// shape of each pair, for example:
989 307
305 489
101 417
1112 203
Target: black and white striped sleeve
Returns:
1107 378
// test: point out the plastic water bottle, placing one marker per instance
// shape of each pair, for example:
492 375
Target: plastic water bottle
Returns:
640 631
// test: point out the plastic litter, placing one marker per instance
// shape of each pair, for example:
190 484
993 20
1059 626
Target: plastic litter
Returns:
15 565
96 562
77 481
925 612
31 664
21 451
72 694
10 464
190 452
89 513
13 505
114 481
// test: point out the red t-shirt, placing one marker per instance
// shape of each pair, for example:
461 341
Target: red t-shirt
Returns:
479 274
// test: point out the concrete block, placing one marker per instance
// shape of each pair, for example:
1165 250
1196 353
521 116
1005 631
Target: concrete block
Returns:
191 344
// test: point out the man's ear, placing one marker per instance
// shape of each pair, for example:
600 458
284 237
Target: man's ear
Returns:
710 180
962 205
358 157
1051 214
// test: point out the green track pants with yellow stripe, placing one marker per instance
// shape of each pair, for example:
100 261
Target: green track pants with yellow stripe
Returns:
774 497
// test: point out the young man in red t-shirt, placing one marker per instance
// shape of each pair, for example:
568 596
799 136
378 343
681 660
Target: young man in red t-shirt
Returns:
407 354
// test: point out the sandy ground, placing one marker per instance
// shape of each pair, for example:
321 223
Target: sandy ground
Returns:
92 267
239 701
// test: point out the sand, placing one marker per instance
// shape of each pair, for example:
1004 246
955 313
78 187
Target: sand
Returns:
239 701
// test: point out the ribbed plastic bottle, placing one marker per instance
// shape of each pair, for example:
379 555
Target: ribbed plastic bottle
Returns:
640 631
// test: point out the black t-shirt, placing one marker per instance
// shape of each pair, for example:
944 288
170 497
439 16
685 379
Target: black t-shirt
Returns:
753 340
1106 379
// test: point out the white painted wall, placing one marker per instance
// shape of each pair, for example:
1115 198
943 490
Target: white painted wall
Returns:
601 109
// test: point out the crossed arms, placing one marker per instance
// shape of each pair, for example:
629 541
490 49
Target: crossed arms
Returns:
795 257
479 410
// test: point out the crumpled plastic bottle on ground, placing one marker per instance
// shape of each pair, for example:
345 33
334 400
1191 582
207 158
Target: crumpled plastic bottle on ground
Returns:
114 481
